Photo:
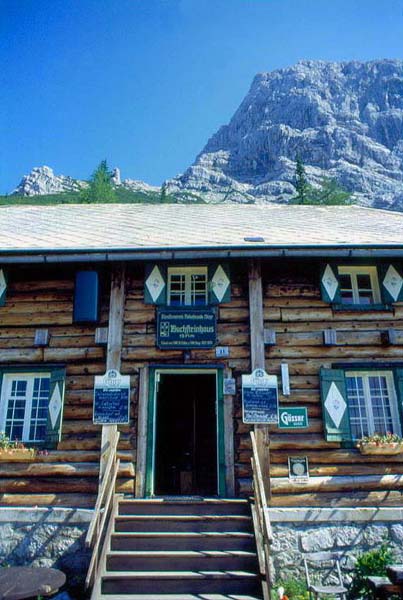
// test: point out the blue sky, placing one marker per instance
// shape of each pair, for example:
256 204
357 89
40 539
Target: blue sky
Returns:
145 83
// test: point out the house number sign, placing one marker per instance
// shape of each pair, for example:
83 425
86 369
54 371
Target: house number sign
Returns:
259 398
111 398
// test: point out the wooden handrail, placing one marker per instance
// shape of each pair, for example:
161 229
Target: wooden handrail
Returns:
261 520
96 535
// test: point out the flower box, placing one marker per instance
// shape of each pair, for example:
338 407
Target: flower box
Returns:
385 449
17 454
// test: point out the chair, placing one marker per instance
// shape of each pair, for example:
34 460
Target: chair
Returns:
323 575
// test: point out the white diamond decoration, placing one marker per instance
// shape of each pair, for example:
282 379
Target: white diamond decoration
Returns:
335 404
393 282
55 405
330 282
155 283
220 283
3 285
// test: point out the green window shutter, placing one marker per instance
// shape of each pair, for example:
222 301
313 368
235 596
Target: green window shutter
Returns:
334 405
390 283
155 284
399 389
55 411
329 283
219 283
3 287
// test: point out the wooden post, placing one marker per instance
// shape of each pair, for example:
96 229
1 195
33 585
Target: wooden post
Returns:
258 360
114 347
142 434
229 439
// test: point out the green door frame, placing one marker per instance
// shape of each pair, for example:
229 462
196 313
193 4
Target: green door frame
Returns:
151 421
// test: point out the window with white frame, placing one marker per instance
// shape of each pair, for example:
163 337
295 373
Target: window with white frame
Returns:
24 406
372 403
187 286
359 285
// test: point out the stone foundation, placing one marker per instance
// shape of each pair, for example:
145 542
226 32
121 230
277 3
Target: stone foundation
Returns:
44 537
349 531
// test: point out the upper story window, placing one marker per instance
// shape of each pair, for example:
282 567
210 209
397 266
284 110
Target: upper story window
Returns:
187 286
359 285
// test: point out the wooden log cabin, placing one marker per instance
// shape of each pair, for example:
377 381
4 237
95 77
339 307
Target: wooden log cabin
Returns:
313 295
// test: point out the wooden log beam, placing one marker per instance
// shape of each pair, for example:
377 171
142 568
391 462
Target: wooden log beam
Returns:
339 483
51 485
69 500
257 353
335 499
332 457
59 469
114 347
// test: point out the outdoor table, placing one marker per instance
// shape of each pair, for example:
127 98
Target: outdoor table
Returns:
17 583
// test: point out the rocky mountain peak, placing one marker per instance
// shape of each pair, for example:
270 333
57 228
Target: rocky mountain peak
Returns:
345 121
42 180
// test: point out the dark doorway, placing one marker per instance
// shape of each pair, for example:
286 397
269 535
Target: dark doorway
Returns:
186 435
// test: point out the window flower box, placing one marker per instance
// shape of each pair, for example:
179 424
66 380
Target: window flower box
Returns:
17 454
14 451
388 444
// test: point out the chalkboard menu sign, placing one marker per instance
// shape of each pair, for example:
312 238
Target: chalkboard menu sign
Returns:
186 328
111 398
259 398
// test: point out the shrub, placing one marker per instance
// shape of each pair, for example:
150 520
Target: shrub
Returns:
294 589
373 562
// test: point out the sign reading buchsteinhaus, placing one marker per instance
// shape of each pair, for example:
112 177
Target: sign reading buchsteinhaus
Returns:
111 398
186 328
259 398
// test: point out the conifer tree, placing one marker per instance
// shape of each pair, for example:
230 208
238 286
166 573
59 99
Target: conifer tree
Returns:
301 183
329 193
100 188
163 196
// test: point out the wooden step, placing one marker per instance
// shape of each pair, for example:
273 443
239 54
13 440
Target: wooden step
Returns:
182 541
191 560
180 523
177 507
180 582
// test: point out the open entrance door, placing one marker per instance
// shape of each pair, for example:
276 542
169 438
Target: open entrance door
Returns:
186 435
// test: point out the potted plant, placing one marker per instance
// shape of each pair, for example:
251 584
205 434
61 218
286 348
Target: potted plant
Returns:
13 450
381 443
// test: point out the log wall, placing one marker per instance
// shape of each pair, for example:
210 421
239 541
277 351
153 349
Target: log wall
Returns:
294 309
42 298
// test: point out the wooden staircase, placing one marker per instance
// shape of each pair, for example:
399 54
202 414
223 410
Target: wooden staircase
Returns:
177 549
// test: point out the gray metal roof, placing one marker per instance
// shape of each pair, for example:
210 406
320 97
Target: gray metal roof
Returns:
139 228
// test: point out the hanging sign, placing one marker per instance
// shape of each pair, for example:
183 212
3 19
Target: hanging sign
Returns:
259 398
293 417
185 329
298 470
111 398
